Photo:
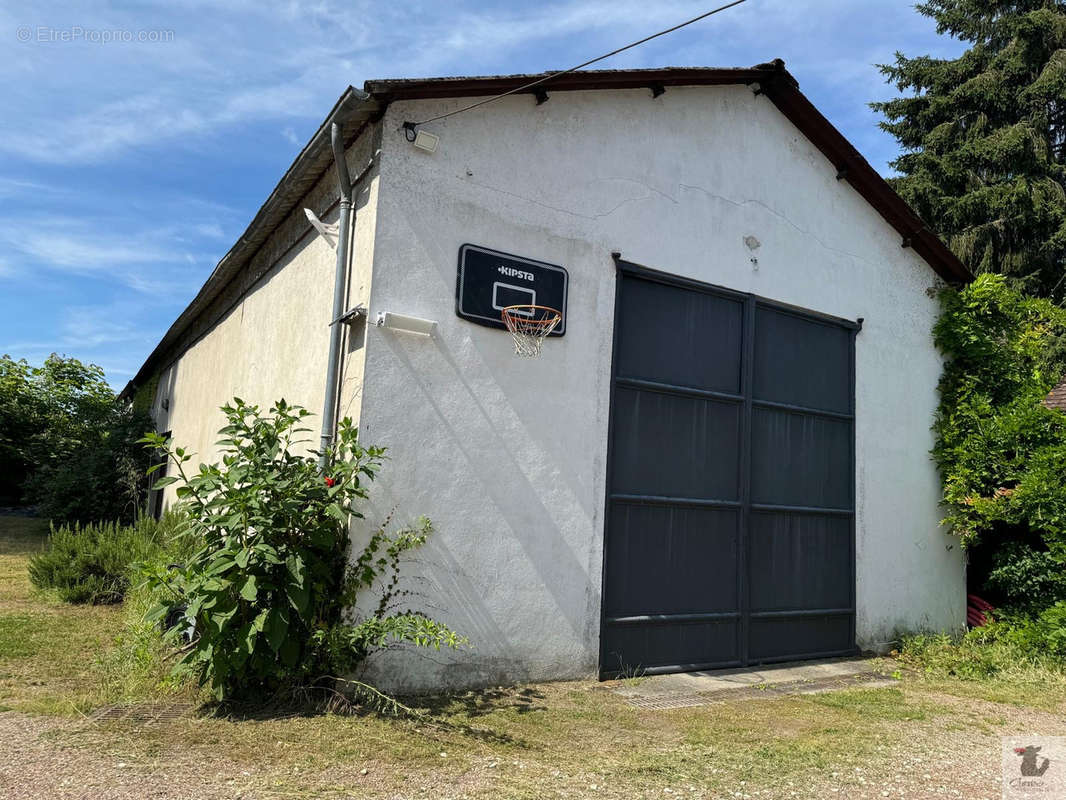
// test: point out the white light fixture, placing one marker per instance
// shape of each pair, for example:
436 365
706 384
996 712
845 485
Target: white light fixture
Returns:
424 140
402 322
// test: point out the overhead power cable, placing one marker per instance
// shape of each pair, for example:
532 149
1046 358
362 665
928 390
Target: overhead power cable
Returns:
409 127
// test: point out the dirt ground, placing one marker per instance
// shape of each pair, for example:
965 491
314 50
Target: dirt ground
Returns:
951 748
72 725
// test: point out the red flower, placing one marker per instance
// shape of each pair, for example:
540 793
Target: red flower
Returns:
330 481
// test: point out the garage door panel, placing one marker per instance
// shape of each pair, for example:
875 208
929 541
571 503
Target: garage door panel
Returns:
685 338
795 637
628 648
676 446
672 560
799 561
730 517
798 361
800 459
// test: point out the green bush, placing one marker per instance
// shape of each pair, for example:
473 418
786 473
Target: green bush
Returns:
67 445
96 563
1000 451
269 597
101 478
1041 636
1025 577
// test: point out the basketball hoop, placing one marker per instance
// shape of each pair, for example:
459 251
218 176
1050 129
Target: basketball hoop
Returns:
529 327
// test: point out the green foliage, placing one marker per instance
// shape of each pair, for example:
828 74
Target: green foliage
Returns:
139 665
1032 578
104 476
19 420
268 593
95 563
997 650
984 136
1000 451
67 444
1016 642
1042 636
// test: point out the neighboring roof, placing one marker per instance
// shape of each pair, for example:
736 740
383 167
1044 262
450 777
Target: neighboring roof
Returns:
1056 398
355 108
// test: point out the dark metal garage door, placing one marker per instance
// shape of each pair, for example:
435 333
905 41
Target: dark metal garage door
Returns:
730 511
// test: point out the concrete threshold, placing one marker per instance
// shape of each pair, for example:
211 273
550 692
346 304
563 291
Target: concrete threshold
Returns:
686 689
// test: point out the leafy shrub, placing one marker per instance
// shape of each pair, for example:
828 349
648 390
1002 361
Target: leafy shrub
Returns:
101 478
265 598
95 563
1043 635
67 444
1026 577
1001 453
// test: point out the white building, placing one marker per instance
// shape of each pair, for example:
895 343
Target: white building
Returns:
724 460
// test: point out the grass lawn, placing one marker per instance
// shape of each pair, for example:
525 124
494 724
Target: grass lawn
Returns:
47 648
922 738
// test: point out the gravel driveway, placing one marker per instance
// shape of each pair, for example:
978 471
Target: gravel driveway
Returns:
47 757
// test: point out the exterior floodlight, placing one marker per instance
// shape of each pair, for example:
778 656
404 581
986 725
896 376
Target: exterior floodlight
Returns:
402 322
426 141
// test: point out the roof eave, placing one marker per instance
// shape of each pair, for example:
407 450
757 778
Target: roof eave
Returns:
352 110
773 80
856 170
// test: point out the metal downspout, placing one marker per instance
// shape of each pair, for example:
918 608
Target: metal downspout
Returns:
336 332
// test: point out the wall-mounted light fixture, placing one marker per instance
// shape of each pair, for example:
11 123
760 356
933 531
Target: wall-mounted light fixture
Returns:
424 140
402 322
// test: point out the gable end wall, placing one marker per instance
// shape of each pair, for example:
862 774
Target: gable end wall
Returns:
508 456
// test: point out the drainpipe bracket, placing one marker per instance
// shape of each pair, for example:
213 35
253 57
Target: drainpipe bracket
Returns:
351 316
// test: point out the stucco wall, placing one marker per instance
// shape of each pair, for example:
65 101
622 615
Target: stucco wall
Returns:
273 341
508 456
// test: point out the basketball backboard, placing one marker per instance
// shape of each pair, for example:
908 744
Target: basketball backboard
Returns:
489 281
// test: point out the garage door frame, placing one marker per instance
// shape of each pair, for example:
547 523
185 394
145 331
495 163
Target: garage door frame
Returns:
750 303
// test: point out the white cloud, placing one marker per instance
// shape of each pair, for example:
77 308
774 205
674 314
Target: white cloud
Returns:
291 65
124 251
12 187
85 252
112 334
209 230
81 121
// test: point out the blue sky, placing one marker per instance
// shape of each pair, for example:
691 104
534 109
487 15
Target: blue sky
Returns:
128 168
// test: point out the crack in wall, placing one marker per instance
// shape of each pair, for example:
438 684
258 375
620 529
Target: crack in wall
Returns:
652 192
774 212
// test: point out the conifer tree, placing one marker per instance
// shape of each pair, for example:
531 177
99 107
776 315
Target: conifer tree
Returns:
984 137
